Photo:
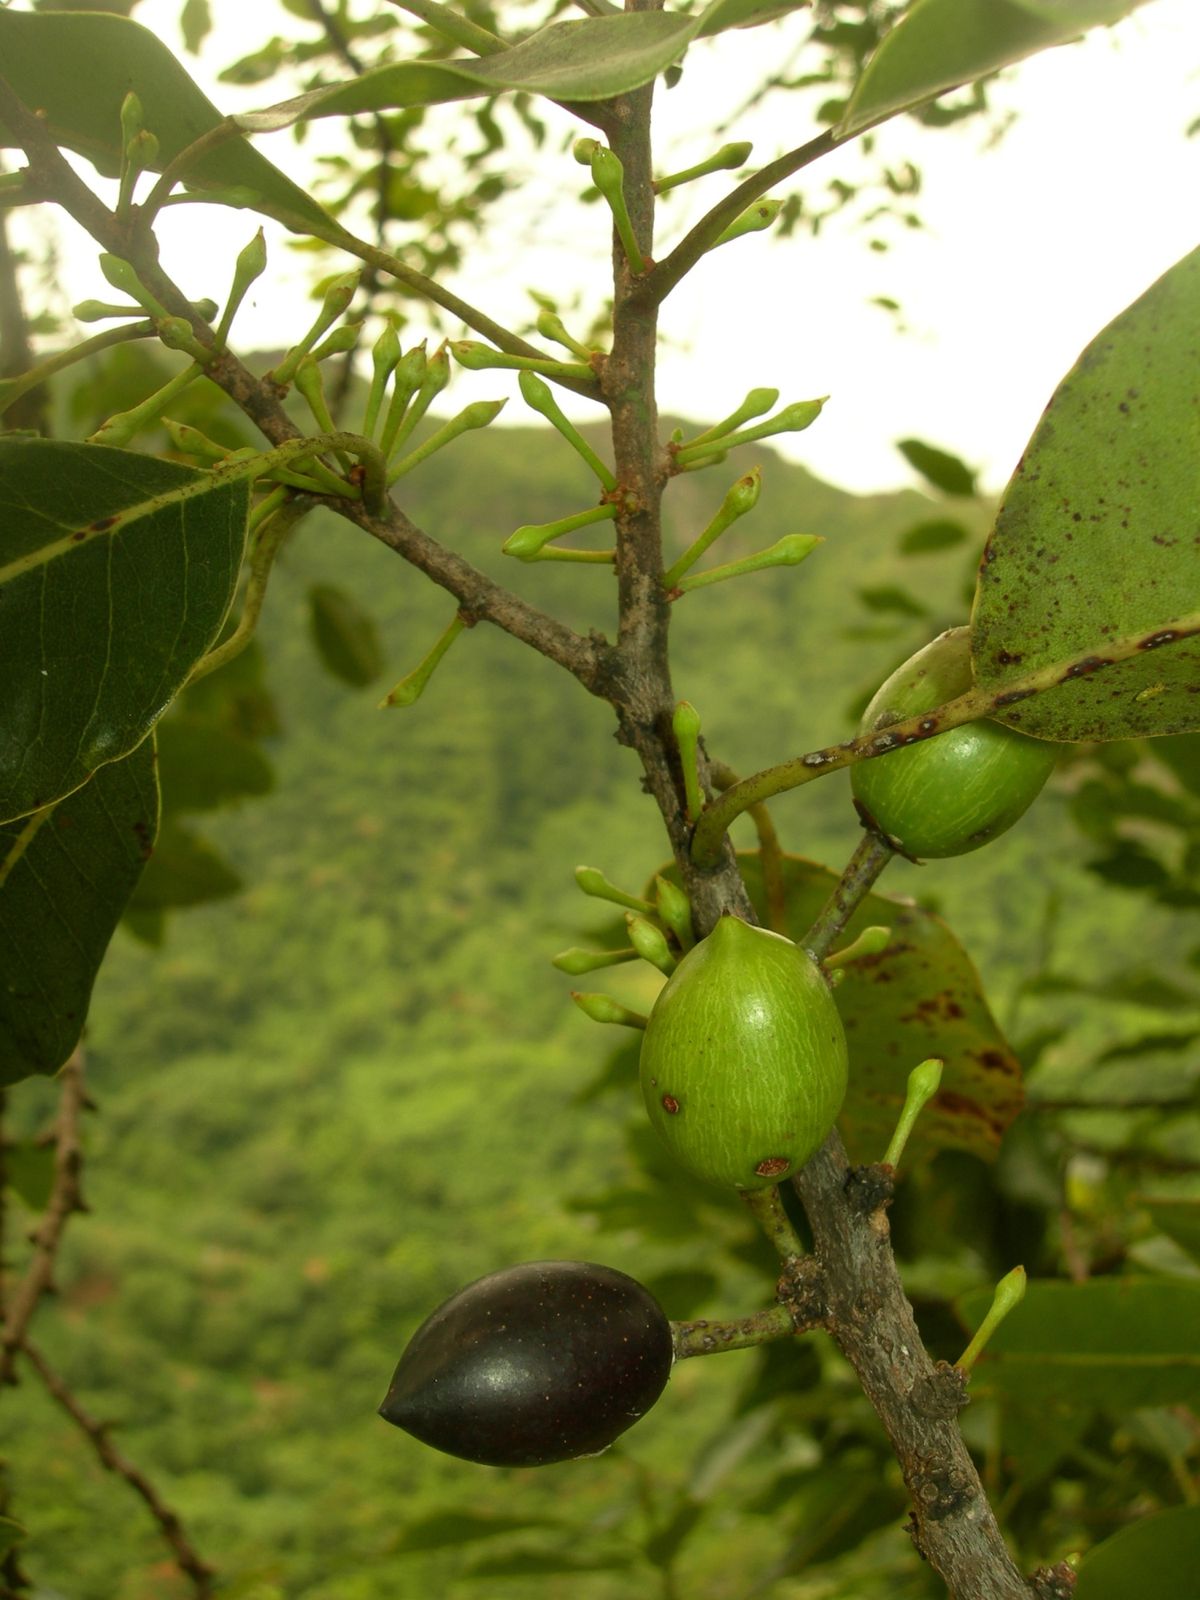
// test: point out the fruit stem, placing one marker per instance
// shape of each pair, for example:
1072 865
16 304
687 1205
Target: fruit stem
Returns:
923 1084
705 1338
1010 1291
766 1207
770 852
870 857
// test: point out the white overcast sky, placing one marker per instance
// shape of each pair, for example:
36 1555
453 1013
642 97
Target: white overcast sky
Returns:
1028 248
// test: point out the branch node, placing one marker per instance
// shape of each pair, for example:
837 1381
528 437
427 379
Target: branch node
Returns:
870 1189
941 1394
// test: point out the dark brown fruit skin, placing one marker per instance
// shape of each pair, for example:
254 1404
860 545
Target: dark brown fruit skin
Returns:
534 1364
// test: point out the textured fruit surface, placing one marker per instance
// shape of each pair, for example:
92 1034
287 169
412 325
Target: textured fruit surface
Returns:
950 794
538 1363
743 1062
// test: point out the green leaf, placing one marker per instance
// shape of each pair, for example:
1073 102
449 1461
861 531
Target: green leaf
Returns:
185 870
202 767
939 467
1111 1343
116 571
589 59
890 597
1095 538
66 875
29 1172
76 68
942 44
919 997
1178 1218
195 23
1154 1559
925 537
345 635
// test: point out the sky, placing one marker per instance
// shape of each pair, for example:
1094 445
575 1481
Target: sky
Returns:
1027 249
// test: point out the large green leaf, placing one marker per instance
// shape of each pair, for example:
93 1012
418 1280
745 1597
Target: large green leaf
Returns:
346 636
116 571
942 44
65 877
588 59
1111 1344
1096 535
1154 1559
919 997
76 68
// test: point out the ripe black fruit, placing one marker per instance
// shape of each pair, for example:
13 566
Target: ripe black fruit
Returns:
538 1363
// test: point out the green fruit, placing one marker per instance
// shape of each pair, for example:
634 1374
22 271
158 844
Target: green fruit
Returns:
538 1363
743 1062
946 795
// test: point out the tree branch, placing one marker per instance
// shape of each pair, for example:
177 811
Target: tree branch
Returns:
65 1198
870 857
186 1557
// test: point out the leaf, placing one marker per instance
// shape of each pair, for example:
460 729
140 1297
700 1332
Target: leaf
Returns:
925 537
202 767
29 1172
76 68
1112 1343
1095 538
185 870
345 635
890 597
589 59
1181 753
65 878
1156 1558
116 571
941 44
919 997
940 468
195 23
1179 1219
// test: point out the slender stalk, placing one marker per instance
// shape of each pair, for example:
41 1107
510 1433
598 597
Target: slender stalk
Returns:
705 1338
770 851
870 857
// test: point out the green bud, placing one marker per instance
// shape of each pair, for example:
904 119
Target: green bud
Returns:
537 395
125 425
923 1084
250 265
576 961
311 386
100 311
609 177
593 882
551 326
122 276
650 942
675 911
527 542
205 308
411 688
477 415
604 1008
477 357
755 403
792 419
686 726
584 149
142 151
435 375
787 552
405 383
741 498
729 155
339 342
339 292
385 355
869 943
132 119
753 220
177 334
1010 1291
190 441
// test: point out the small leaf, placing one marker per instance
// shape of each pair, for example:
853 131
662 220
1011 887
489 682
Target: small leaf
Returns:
345 635
202 767
185 870
1156 1558
116 572
941 44
939 467
29 1172
195 23
1095 538
75 68
890 597
923 538
65 878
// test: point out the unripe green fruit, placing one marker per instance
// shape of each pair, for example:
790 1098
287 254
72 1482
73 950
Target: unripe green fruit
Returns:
743 1062
947 795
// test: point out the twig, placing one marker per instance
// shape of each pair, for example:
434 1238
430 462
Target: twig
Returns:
870 857
65 1198
186 1557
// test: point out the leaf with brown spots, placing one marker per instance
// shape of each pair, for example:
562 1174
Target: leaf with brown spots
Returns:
1098 537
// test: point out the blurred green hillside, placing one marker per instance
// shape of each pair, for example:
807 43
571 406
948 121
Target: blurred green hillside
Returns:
330 1100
